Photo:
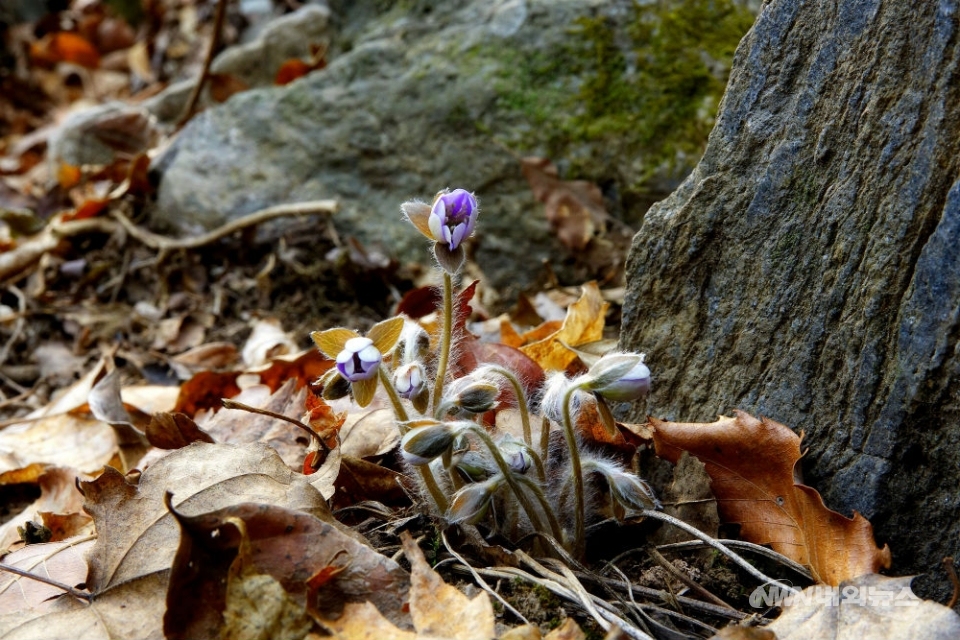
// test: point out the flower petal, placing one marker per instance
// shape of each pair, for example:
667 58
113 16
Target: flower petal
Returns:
385 334
331 341
363 391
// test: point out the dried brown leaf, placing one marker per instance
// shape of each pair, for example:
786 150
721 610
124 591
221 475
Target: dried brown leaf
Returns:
751 465
574 209
61 561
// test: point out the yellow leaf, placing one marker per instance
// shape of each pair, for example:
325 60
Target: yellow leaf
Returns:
363 391
583 324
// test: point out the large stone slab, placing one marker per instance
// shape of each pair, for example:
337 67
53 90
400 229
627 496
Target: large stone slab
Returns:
419 96
809 268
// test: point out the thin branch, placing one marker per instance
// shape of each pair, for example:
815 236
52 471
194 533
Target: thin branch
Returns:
749 568
80 595
952 573
483 583
748 546
685 579
207 61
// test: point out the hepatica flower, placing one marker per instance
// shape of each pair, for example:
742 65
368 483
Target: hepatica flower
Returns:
358 358
448 222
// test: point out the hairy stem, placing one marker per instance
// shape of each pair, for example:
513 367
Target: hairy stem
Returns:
579 542
537 491
509 476
426 475
446 337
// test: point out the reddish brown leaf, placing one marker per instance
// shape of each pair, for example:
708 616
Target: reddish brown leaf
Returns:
171 430
750 463
420 302
291 70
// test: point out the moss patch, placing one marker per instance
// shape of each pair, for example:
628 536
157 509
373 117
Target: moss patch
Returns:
641 86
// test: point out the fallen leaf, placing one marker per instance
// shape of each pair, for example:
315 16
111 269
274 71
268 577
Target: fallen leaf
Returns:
175 431
267 341
751 463
288 549
690 499
224 85
440 610
137 536
58 494
574 209
870 607
64 46
583 324
58 440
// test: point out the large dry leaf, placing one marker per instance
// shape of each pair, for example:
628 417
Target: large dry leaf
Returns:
137 536
61 440
583 323
871 607
750 463
126 612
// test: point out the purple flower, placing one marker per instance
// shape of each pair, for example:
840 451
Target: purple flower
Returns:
453 217
621 377
359 360
410 380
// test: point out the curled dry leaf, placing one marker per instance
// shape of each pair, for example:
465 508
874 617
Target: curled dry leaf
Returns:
750 463
870 607
60 440
58 494
583 324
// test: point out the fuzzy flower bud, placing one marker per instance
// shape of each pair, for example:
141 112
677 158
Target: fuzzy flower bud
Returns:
470 504
516 455
632 492
410 380
359 359
621 377
453 217
423 444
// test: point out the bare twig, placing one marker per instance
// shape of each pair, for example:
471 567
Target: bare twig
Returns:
163 243
80 595
233 404
207 61
685 579
748 546
749 568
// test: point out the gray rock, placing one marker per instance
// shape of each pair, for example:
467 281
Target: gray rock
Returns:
808 269
417 97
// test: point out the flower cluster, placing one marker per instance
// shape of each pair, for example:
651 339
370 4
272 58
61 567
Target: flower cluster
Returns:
465 471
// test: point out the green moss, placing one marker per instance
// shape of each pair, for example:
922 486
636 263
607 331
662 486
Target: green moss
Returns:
644 86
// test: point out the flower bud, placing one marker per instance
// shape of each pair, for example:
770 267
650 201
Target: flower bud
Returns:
410 380
359 359
470 504
632 492
423 444
473 466
621 377
453 217
414 343
516 455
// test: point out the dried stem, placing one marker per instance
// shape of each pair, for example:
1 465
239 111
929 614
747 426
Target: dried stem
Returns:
207 61
80 595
